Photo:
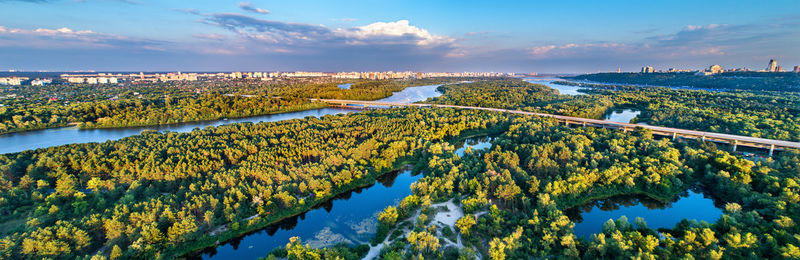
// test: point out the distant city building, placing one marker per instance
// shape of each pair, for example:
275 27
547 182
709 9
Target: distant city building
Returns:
772 66
41 82
14 81
714 69
619 69
648 69
796 69
779 69
674 70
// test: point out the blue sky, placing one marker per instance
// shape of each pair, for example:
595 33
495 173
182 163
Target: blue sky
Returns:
326 35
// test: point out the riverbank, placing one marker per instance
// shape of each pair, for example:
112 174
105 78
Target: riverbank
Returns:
280 110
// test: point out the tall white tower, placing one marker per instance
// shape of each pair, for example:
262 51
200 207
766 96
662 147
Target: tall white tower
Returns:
773 66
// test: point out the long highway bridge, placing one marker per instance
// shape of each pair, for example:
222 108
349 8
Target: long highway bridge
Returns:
734 140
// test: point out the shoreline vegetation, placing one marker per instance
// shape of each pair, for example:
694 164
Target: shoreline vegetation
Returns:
164 104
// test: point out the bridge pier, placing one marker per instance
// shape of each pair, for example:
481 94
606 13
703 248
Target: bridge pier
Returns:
771 149
735 143
674 135
584 124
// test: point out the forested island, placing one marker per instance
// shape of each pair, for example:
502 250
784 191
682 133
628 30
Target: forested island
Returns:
119 105
773 81
165 195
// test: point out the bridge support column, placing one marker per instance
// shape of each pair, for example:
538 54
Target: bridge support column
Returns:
674 135
584 124
771 149
735 143
703 138
566 123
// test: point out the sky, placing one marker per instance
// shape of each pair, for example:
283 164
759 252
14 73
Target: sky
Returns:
376 35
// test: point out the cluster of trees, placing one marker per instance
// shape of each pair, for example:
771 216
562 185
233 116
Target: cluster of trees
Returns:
162 194
515 195
120 105
296 250
772 81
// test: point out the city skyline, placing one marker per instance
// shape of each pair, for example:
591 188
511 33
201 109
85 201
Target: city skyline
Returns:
417 36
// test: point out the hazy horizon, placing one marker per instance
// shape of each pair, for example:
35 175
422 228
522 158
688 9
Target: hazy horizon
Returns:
564 37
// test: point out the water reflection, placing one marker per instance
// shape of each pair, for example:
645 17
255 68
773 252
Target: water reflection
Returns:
589 218
476 143
348 218
622 115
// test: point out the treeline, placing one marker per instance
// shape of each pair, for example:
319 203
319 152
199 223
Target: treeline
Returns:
161 195
514 196
773 81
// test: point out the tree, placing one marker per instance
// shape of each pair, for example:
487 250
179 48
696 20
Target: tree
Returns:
388 216
465 223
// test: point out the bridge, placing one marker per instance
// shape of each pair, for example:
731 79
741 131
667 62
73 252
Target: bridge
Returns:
674 133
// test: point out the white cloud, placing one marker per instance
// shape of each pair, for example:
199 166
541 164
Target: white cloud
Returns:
541 49
399 30
250 8
68 38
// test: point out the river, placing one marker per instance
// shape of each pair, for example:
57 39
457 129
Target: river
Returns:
562 89
17 142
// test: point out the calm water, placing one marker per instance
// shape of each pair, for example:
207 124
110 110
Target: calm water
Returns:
589 218
622 115
563 89
345 86
350 218
476 143
17 142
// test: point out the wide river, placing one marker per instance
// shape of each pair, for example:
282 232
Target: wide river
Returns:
17 142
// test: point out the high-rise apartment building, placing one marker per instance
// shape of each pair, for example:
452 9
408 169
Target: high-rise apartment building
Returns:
773 66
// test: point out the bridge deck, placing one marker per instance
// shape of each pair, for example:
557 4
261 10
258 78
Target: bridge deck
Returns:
736 140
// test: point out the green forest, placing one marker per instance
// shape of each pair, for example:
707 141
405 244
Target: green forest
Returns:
166 195
120 105
772 81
